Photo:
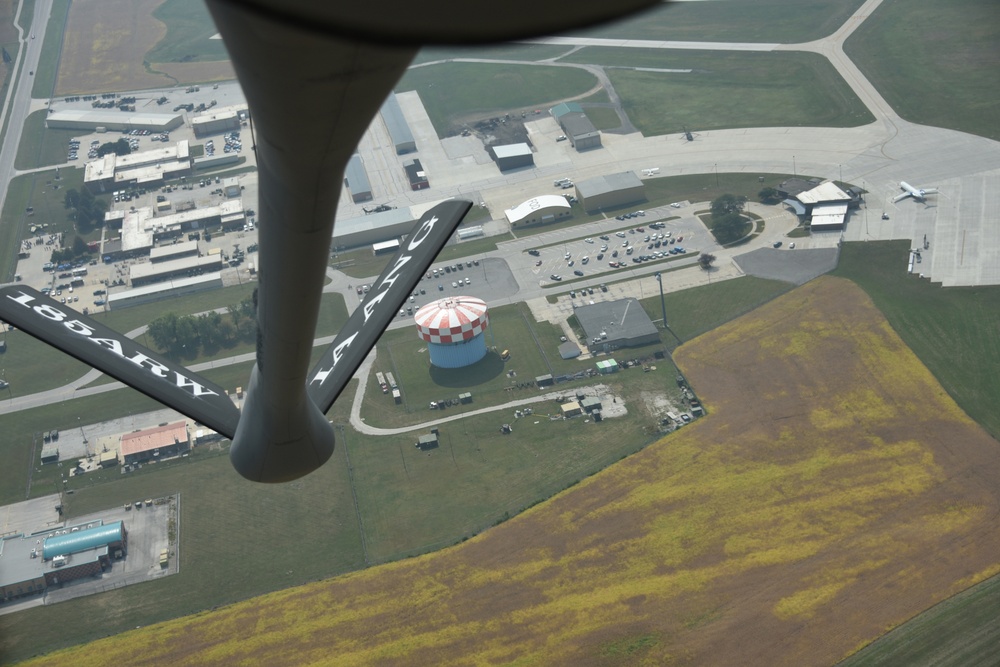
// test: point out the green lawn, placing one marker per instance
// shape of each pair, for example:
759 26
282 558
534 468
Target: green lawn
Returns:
454 92
189 34
953 330
726 89
955 46
603 118
782 21
42 147
45 195
48 63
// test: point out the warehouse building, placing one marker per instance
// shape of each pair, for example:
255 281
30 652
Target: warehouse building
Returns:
611 325
578 128
399 129
174 251
219 120
512 156
88 120
356 180
611 191
155 443
826 204
163 290
33 563
146 273
539 211
454 329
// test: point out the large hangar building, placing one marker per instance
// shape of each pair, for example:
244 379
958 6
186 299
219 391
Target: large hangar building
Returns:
577 125
539 210
611 191
454 329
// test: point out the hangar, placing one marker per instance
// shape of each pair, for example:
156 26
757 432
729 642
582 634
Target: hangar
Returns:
512 156
610 325
610 191
539 210
577 125
826 204
395 123
356 180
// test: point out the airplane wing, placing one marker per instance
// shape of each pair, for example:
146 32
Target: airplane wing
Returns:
120 357
900 197
347 352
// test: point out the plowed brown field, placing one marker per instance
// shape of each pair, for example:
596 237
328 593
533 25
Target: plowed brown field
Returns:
104 49
834 491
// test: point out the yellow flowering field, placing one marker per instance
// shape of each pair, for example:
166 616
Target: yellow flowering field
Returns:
833 491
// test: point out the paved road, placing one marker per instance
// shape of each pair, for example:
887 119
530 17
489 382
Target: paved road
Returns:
17 106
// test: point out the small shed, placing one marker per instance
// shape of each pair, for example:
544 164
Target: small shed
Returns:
544 380
108 459
606 366
427 442
50 453
465 398
590 404
571 409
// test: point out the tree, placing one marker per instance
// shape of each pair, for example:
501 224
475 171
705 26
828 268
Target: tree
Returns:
726 204
769 196
119 147
705 260
163 331
728 228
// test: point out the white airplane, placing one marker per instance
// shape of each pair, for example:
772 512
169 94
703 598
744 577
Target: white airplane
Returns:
919 194
315 75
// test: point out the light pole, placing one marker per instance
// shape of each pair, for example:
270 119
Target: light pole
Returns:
794 170
663 303
716 174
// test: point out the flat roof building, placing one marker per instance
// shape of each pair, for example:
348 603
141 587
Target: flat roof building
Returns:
163 290
218 120
577 125
149 272
147 167
512 156
610 191
356 180
610 325
154 443
399 129
118 121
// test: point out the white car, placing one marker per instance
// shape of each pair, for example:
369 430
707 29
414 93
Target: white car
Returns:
454 284
589 240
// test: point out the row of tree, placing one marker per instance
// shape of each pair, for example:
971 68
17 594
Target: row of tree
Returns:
186 335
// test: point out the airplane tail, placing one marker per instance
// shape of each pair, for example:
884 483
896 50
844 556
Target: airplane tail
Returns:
356 339
120 357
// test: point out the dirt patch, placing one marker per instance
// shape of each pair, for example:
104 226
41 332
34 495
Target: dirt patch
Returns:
833 492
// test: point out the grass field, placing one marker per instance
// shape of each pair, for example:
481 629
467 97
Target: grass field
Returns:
189 31
454 92
603 118
955 45
40 146
781 21
958 632
776 531
952 330
46 195
726 90
48 63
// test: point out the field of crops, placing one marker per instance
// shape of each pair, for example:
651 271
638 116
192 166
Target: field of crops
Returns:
834 492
